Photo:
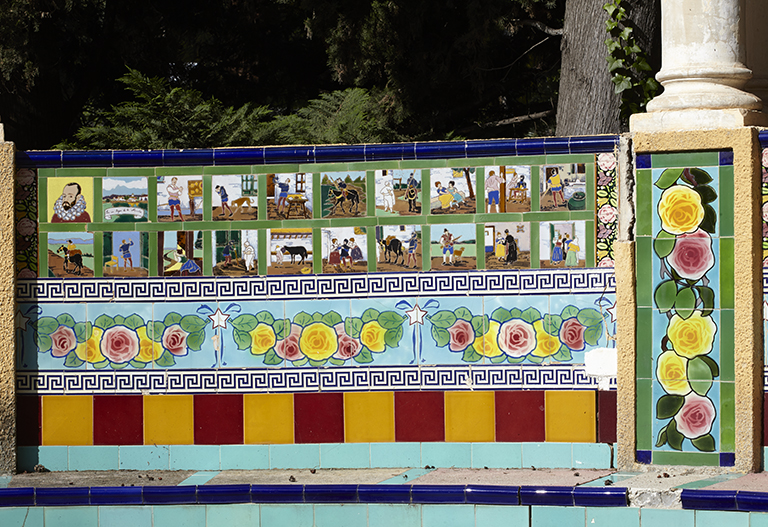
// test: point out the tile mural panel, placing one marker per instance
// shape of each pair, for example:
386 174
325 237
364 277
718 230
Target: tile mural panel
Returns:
399 277
689 304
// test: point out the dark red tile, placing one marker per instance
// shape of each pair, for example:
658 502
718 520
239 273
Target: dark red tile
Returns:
318 417
520 416
765 419
606 417
219 419
118 420
419 416
29 416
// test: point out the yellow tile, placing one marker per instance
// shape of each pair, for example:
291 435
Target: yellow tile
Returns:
268 418
67 420
169 420
369 417
570 417
469 417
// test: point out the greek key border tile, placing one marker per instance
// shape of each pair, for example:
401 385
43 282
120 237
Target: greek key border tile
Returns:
294 380
527 282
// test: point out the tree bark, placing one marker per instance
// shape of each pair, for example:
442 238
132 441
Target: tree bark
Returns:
587 103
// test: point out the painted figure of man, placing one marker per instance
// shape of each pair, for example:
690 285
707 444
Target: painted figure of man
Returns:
446 241
174 197
222 192
125 250
493 186
249 254
70 206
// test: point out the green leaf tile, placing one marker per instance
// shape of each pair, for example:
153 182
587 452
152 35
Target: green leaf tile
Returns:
687 159
644 212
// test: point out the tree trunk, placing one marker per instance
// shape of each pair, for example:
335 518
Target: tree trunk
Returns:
587 103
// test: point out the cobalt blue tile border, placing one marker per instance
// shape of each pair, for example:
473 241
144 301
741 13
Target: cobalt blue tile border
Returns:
330 493
600 497
752 501
643 161
492 495
726 158
17 497
727 459
315 154
556 496
384 493
117 496
209 494
62 496
166 495
277 494
437 494
716 500
643 456
763 136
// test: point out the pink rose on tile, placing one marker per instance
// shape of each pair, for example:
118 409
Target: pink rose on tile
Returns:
26 273
120 344
765 157
64 340
462 335
572 334
606 161
175 340
696 416
607 214
25 227
25 177
692 256
517 338
348 347
606 262
288 348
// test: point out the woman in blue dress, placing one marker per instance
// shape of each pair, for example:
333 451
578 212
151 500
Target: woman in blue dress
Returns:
557 252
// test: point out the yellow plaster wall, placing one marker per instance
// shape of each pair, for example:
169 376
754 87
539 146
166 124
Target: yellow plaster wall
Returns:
7 286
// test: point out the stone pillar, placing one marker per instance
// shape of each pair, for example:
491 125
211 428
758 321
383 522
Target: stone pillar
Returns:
703 70
7 295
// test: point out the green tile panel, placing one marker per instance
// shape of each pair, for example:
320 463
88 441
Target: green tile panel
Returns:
644 255
81 172
644 210
520 160
564 159
726 261
644 399
686 159
179 171
236 170
726 201
645 346
727 417
727 344
698 459
274 169
130 172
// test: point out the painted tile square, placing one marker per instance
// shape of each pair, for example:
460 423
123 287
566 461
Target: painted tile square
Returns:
180 253
235 197
453 247
398 248
52 336
507 245
180 198
124 200
70 254
453 190
70 200
120 336
562 244
343 194
234 253
345 250
398 192
563 187
252 334
182 335
389 329
290 251
126 253
508 189
289 196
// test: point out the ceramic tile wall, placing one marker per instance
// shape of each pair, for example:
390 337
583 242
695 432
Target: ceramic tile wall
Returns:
685 363
203 283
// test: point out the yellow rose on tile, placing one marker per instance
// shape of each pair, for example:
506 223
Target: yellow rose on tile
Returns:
318 341
372 336
680 210
262 339
671 373
488 344
89 350
693 336
546 344
148 350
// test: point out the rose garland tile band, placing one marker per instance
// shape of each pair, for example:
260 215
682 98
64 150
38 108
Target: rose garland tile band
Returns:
691 406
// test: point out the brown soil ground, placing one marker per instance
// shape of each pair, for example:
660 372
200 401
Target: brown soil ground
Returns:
523 261
547 203
235 268
187 217
123 271
357 267
466 263
401 206
272 213
546 264
56 265
513 206
388 267
289 268
466 207
240 213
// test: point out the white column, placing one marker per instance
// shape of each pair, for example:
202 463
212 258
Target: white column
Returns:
703 71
